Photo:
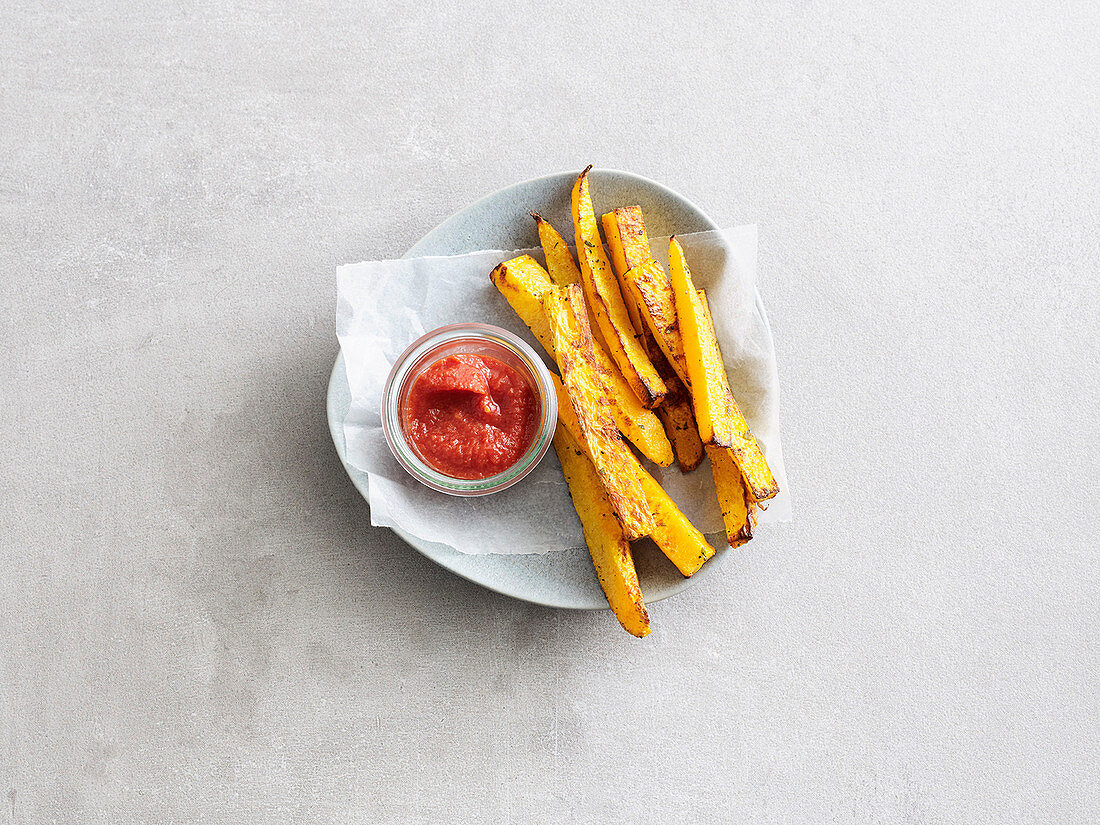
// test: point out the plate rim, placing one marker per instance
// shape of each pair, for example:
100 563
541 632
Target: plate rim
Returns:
423 547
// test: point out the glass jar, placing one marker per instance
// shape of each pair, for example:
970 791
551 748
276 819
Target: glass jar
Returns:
477 339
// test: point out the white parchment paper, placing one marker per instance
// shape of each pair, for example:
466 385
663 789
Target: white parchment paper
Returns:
383 306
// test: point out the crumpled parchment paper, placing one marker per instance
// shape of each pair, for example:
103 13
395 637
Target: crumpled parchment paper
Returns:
383 306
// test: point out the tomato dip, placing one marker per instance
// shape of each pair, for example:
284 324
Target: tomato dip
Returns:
471 416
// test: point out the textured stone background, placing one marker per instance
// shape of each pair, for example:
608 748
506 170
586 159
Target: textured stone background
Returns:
197 622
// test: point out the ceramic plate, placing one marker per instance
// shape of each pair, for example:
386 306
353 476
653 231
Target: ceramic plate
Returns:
500 221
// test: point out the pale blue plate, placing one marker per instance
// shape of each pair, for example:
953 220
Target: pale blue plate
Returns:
500 221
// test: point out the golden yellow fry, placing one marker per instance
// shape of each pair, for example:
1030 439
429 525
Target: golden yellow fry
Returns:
645 286
719 419
626 237
620 263
606 301
650 288
624 229
523 283
559 260
610 551
580 374
706 373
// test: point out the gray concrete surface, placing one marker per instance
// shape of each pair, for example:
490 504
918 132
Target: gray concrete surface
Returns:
197 622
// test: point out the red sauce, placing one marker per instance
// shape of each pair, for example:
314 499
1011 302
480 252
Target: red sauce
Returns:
471 416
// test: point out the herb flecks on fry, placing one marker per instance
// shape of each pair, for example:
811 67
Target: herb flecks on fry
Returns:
581 377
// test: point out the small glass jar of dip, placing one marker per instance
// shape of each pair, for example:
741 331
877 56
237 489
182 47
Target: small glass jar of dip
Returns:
469 409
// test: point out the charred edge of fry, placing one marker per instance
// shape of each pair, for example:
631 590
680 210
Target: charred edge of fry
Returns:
732 498
752 505
587 169
652 399
744 536
750 521
690 433
761 490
